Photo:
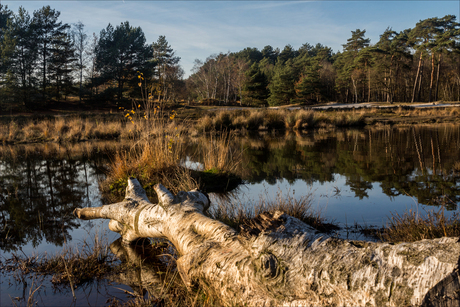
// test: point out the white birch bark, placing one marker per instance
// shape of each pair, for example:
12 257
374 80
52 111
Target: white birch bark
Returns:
277 260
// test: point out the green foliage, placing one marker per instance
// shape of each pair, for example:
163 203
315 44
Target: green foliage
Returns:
309 84
121 54
40 62
282 84
255 90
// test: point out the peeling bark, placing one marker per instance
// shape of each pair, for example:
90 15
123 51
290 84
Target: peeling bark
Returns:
278 260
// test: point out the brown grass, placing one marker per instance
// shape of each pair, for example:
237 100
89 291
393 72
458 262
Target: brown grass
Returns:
135 127
72 266
237 213
219 154
151 162
410 226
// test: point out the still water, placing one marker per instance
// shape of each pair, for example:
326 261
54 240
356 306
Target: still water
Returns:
355 176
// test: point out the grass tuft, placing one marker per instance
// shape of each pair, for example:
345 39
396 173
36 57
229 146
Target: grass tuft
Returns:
237 213
410 226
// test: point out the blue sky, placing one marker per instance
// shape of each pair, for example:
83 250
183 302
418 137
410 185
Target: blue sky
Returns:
197 29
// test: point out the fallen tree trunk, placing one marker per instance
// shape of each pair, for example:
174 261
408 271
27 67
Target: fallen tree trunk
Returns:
279 260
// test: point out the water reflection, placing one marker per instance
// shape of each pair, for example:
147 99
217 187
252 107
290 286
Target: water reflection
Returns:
43 184
38 195
419 161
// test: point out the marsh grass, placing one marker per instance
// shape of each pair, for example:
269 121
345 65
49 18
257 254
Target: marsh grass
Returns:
136 126
71 267
410 226
238 213
220 154
413 225
161 160
151 162
408 111
278 119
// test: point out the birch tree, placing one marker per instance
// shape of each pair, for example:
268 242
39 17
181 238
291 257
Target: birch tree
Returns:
277 260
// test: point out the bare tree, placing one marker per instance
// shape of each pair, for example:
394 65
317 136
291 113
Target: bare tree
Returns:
80 42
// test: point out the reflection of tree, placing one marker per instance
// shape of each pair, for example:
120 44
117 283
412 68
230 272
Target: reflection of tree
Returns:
38 196
419 161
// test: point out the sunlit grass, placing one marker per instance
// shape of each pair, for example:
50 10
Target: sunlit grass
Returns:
239 213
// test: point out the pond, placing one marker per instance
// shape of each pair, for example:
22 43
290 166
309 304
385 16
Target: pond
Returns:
354 176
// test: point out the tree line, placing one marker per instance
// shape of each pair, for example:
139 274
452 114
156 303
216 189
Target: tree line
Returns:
421 64
44 61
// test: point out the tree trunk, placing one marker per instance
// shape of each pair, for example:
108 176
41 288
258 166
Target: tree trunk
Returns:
437 77
276 259
431 77
416 78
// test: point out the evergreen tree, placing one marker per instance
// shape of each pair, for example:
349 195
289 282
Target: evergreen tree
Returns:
351 72
167 69
61 65
49 33
22 56
5 17
445 42
249 55
391 52
121 54
270 54
255 90
357 41
422 39
282 84
308 87
288 53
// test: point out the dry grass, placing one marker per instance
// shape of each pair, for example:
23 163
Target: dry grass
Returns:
410 226
60 129
71 267
151 162
237 213
219 154
73 129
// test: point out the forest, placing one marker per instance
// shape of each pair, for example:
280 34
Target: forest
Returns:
45 61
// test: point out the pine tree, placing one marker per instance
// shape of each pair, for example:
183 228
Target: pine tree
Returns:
282 84
166 66
422 39
22 56
48 33
350 71
308 87
121 54
255 90
62 63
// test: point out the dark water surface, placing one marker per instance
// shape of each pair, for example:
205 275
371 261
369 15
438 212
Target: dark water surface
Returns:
357 176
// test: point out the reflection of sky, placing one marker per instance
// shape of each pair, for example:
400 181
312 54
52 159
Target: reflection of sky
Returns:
344 208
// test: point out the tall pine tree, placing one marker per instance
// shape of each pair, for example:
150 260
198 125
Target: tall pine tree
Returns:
49 33
255 90
121 54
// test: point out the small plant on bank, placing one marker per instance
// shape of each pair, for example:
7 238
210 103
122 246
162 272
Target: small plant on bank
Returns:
410 227
237 213
72 266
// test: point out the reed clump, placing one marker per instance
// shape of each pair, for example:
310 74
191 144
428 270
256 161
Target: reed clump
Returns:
410 226
72 266
151 162
238 213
